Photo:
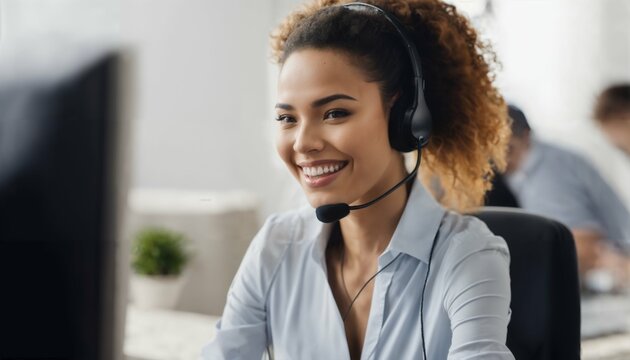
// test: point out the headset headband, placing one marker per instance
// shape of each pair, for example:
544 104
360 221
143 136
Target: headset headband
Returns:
416 117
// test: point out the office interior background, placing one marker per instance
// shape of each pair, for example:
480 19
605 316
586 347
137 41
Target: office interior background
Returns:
198 89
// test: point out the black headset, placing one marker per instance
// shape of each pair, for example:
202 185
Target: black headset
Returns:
410 119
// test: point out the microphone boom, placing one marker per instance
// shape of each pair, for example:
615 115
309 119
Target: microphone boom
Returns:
335 212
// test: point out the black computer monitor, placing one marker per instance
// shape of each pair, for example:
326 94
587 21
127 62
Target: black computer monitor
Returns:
60 192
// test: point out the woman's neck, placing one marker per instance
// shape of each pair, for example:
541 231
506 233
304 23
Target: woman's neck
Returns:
366 233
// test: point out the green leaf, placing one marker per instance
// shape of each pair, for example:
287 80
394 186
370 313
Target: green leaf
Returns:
158 251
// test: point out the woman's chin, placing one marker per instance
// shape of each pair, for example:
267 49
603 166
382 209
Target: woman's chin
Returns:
317 201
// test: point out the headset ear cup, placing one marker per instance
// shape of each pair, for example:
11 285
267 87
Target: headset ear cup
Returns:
400 136
396 115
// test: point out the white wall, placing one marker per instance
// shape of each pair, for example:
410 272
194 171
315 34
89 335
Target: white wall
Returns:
205 87
79 20
202 97
203 102
557 55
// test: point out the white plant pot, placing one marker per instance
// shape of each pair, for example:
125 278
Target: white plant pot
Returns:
156 291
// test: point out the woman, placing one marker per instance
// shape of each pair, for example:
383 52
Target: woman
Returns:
403 278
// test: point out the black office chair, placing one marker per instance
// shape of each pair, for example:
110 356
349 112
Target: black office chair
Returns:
545 322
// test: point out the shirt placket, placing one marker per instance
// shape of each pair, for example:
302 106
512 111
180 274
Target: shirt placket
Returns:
377 309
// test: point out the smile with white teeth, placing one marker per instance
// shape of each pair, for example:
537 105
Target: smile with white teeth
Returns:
314 171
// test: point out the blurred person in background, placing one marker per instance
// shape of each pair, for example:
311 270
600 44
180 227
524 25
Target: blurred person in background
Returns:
360 286
500 194
555 182
612 113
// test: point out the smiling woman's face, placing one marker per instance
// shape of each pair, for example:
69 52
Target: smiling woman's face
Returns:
332 129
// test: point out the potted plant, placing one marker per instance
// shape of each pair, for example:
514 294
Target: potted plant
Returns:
158 261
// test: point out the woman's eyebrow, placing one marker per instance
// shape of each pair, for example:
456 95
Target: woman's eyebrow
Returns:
327 99
319 102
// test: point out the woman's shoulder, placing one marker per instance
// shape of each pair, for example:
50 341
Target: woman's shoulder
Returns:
283 228
269 248
279 232
465 235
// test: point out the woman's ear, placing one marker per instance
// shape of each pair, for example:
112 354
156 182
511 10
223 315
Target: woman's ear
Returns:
389 104
392 101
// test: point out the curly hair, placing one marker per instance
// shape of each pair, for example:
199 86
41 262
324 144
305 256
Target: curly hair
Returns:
470 124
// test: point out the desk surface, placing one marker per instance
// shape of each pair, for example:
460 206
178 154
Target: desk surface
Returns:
153 334
605 314
613 347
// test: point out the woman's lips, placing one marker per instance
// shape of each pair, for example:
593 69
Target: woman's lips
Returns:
322 174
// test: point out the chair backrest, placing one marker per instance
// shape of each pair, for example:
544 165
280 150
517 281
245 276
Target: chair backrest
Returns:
545 322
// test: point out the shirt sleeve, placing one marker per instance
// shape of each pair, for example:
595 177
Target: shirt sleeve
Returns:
241 333
477 301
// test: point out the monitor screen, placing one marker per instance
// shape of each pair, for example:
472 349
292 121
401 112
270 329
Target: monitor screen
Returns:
58 210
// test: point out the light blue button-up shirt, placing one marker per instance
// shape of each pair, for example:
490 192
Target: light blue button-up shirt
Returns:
281 295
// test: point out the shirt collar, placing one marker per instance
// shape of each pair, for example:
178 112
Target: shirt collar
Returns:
418 225
414 234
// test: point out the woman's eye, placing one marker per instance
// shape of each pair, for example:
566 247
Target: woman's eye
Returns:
285 119
335 114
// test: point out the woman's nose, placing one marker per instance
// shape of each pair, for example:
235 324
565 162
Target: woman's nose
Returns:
308 139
